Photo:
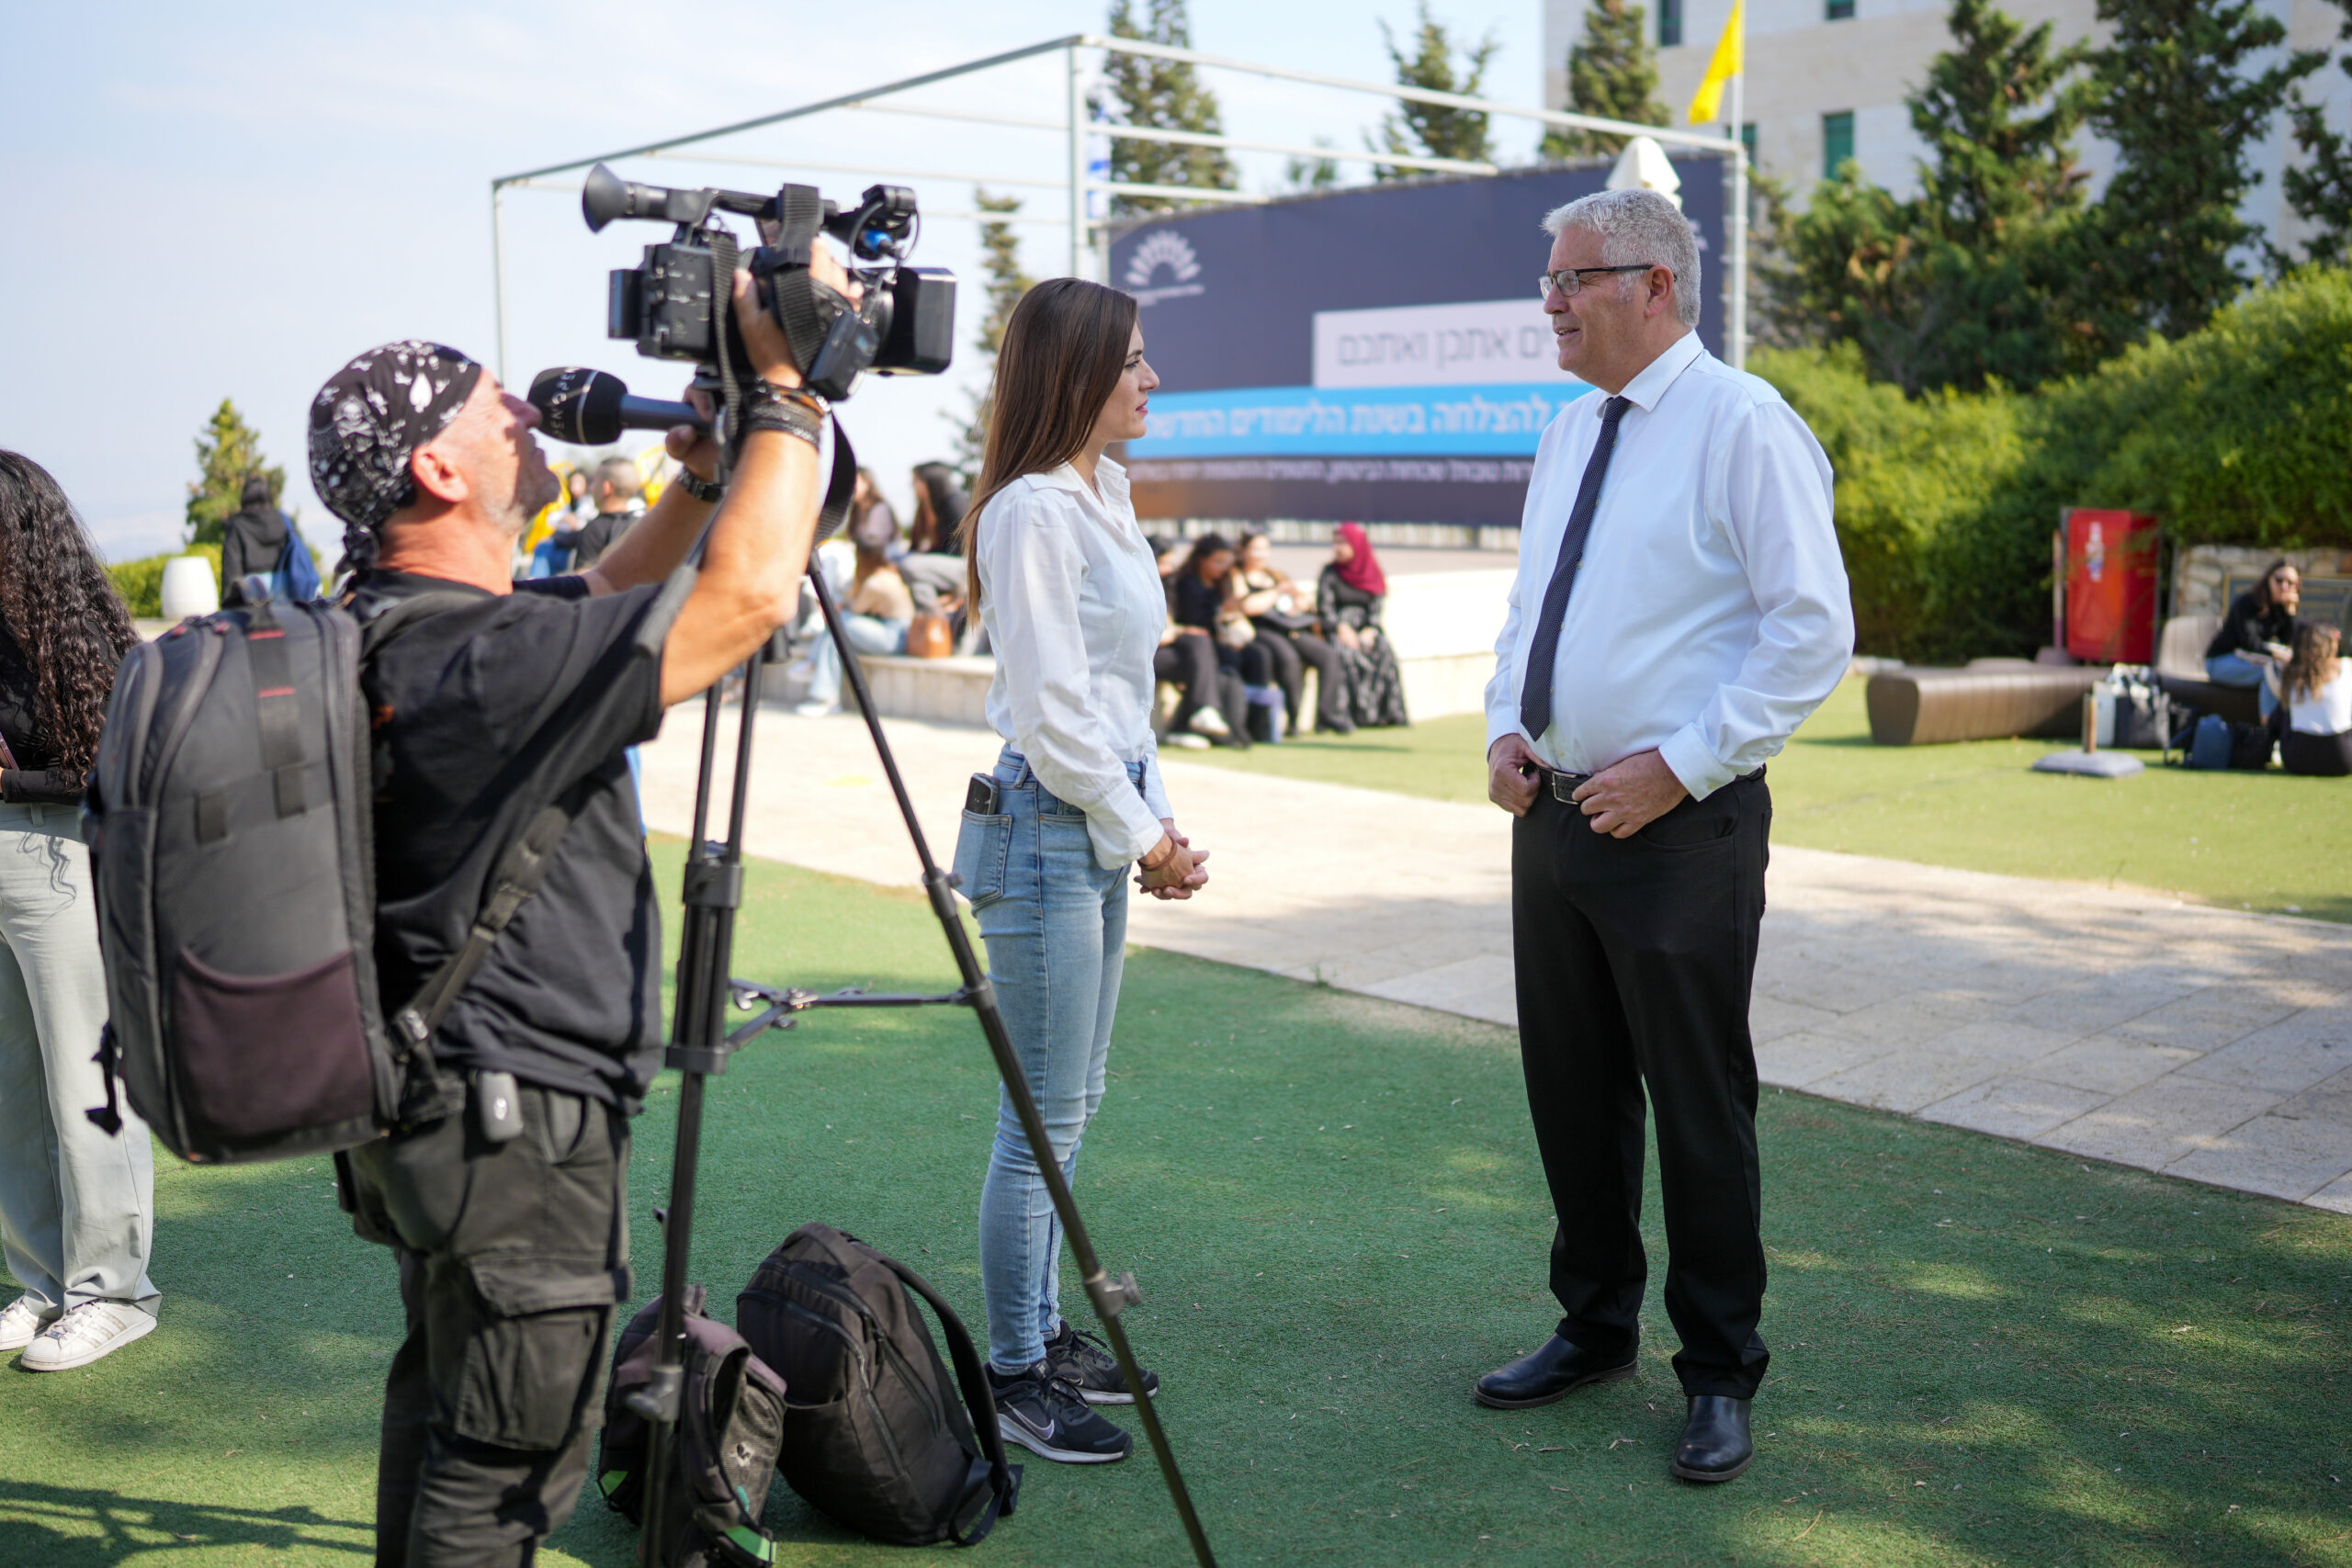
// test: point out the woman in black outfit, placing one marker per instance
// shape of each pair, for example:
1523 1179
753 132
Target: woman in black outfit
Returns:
77 1206
1347 599
1286 620
2257 635
1213 704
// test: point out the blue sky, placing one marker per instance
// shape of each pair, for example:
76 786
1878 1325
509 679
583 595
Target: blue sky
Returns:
230 200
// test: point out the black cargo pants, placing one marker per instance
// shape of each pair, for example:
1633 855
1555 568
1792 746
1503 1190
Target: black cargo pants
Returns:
512 1257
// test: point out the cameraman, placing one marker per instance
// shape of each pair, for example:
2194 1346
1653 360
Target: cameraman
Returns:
501 1194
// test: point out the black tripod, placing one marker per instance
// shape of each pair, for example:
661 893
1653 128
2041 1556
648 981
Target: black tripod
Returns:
701 1045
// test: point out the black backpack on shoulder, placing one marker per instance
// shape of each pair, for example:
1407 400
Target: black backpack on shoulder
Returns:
231 825
731 1424
878 1440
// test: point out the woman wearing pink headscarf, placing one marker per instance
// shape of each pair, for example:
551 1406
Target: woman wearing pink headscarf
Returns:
1348 598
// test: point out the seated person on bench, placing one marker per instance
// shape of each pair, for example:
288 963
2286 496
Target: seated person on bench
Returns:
2257 635
2318 699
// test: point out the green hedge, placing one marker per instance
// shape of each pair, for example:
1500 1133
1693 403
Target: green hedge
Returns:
140 582
2238 433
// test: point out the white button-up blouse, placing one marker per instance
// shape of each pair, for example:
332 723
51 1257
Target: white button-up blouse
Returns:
1071 598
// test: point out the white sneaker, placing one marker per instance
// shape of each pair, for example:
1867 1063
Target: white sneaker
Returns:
82 1335
21 1322
816 709
1208 721
1185 741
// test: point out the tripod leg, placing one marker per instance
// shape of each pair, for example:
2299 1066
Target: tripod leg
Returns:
1110 1298
698 1044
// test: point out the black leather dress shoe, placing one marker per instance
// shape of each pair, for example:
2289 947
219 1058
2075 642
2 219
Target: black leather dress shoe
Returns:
1715 1443
1556 1368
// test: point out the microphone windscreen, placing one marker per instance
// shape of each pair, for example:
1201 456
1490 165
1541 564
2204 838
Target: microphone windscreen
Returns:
579 406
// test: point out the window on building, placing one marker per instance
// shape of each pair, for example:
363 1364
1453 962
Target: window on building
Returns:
1670 24
1840 10
1837 142
1748 139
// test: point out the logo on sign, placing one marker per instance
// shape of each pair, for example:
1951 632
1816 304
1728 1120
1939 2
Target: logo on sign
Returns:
1163 248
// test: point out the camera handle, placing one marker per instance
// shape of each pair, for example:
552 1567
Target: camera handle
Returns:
701 1045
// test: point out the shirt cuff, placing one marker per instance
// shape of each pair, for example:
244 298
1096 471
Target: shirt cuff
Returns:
1124 830
1687 757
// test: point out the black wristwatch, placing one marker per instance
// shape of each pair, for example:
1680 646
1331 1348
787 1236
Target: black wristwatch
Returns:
702 489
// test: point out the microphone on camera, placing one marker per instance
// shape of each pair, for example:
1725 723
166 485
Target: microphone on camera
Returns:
582 407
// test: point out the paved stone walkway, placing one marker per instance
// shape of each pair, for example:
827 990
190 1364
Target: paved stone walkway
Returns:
2119 1025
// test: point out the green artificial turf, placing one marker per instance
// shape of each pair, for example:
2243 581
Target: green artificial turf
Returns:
2266 841
1983 1352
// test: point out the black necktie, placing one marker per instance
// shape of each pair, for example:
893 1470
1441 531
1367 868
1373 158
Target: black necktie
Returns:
1535 691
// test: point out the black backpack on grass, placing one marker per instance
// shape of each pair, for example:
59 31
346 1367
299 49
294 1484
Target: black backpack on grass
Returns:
878 1440
232 845
731 1424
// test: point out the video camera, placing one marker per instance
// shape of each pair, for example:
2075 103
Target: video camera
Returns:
674 306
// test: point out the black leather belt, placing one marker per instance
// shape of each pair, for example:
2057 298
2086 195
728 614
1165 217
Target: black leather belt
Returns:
1564 785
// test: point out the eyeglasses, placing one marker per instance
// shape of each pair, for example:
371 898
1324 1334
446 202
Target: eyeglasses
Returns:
1568 282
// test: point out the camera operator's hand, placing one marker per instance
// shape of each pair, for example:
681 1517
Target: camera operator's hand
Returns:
694 446
771 349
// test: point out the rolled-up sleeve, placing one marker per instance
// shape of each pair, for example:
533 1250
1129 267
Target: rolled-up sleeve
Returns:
1032 567
1774 492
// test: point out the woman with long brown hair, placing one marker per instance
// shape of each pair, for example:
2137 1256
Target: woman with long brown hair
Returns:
76 1205
2316 700
1067 587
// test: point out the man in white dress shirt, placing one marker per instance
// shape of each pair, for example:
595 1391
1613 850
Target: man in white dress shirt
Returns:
1680 608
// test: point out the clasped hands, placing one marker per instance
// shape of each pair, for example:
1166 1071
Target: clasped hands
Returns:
1173 868
1621 799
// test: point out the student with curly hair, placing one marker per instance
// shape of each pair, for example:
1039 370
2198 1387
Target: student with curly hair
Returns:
76 1206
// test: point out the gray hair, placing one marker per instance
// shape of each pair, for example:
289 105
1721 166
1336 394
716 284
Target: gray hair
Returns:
1638 227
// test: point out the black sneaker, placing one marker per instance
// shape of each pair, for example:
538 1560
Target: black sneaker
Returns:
1082 1359
1045 1414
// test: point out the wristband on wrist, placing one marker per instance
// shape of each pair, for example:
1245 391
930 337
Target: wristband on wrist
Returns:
705 490
796 412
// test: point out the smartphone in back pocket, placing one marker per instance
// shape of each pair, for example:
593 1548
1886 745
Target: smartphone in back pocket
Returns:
981 796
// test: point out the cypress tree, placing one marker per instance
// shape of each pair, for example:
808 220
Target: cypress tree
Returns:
2178 99
2320 190
1432 129
1613 71
1164 95
1000 260
1999 112
227 451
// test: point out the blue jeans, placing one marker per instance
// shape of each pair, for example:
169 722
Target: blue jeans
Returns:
2229 670
867 634
1056 925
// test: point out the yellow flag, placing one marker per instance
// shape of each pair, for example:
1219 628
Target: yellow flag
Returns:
1706 104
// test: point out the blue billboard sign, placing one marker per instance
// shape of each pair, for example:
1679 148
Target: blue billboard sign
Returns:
1372 354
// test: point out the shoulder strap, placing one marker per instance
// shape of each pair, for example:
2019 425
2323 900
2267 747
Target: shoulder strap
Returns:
1003 1481
520 870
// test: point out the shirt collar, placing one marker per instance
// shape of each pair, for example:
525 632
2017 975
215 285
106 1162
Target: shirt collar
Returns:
1646 388
1108 477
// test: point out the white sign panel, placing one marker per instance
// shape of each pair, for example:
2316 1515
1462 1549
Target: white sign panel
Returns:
1480 343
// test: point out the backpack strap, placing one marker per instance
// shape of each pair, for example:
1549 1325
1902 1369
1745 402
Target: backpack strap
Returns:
519 872
1002 1479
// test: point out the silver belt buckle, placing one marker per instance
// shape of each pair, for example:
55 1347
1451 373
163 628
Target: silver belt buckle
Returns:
1564 785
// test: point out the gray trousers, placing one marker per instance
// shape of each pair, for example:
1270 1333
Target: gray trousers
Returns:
77 1207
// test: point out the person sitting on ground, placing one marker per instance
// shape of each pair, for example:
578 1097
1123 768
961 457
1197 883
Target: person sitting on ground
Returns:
1201 605
77 1207
253 541
2317 705
1283 613
1348 597
2258 633
874 616
934 561
1212 704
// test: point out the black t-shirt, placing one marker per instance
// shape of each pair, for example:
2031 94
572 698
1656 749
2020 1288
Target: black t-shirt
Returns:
1198 603
36 778
2245 628
484 713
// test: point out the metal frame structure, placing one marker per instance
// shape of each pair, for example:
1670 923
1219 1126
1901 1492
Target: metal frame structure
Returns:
1079 183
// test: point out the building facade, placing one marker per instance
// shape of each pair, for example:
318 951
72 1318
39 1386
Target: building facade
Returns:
1826 79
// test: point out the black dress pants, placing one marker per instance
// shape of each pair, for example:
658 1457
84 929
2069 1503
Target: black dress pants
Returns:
512 1257
1634 959
1191 663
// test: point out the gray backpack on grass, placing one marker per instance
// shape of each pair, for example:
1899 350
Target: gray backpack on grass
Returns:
232 842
